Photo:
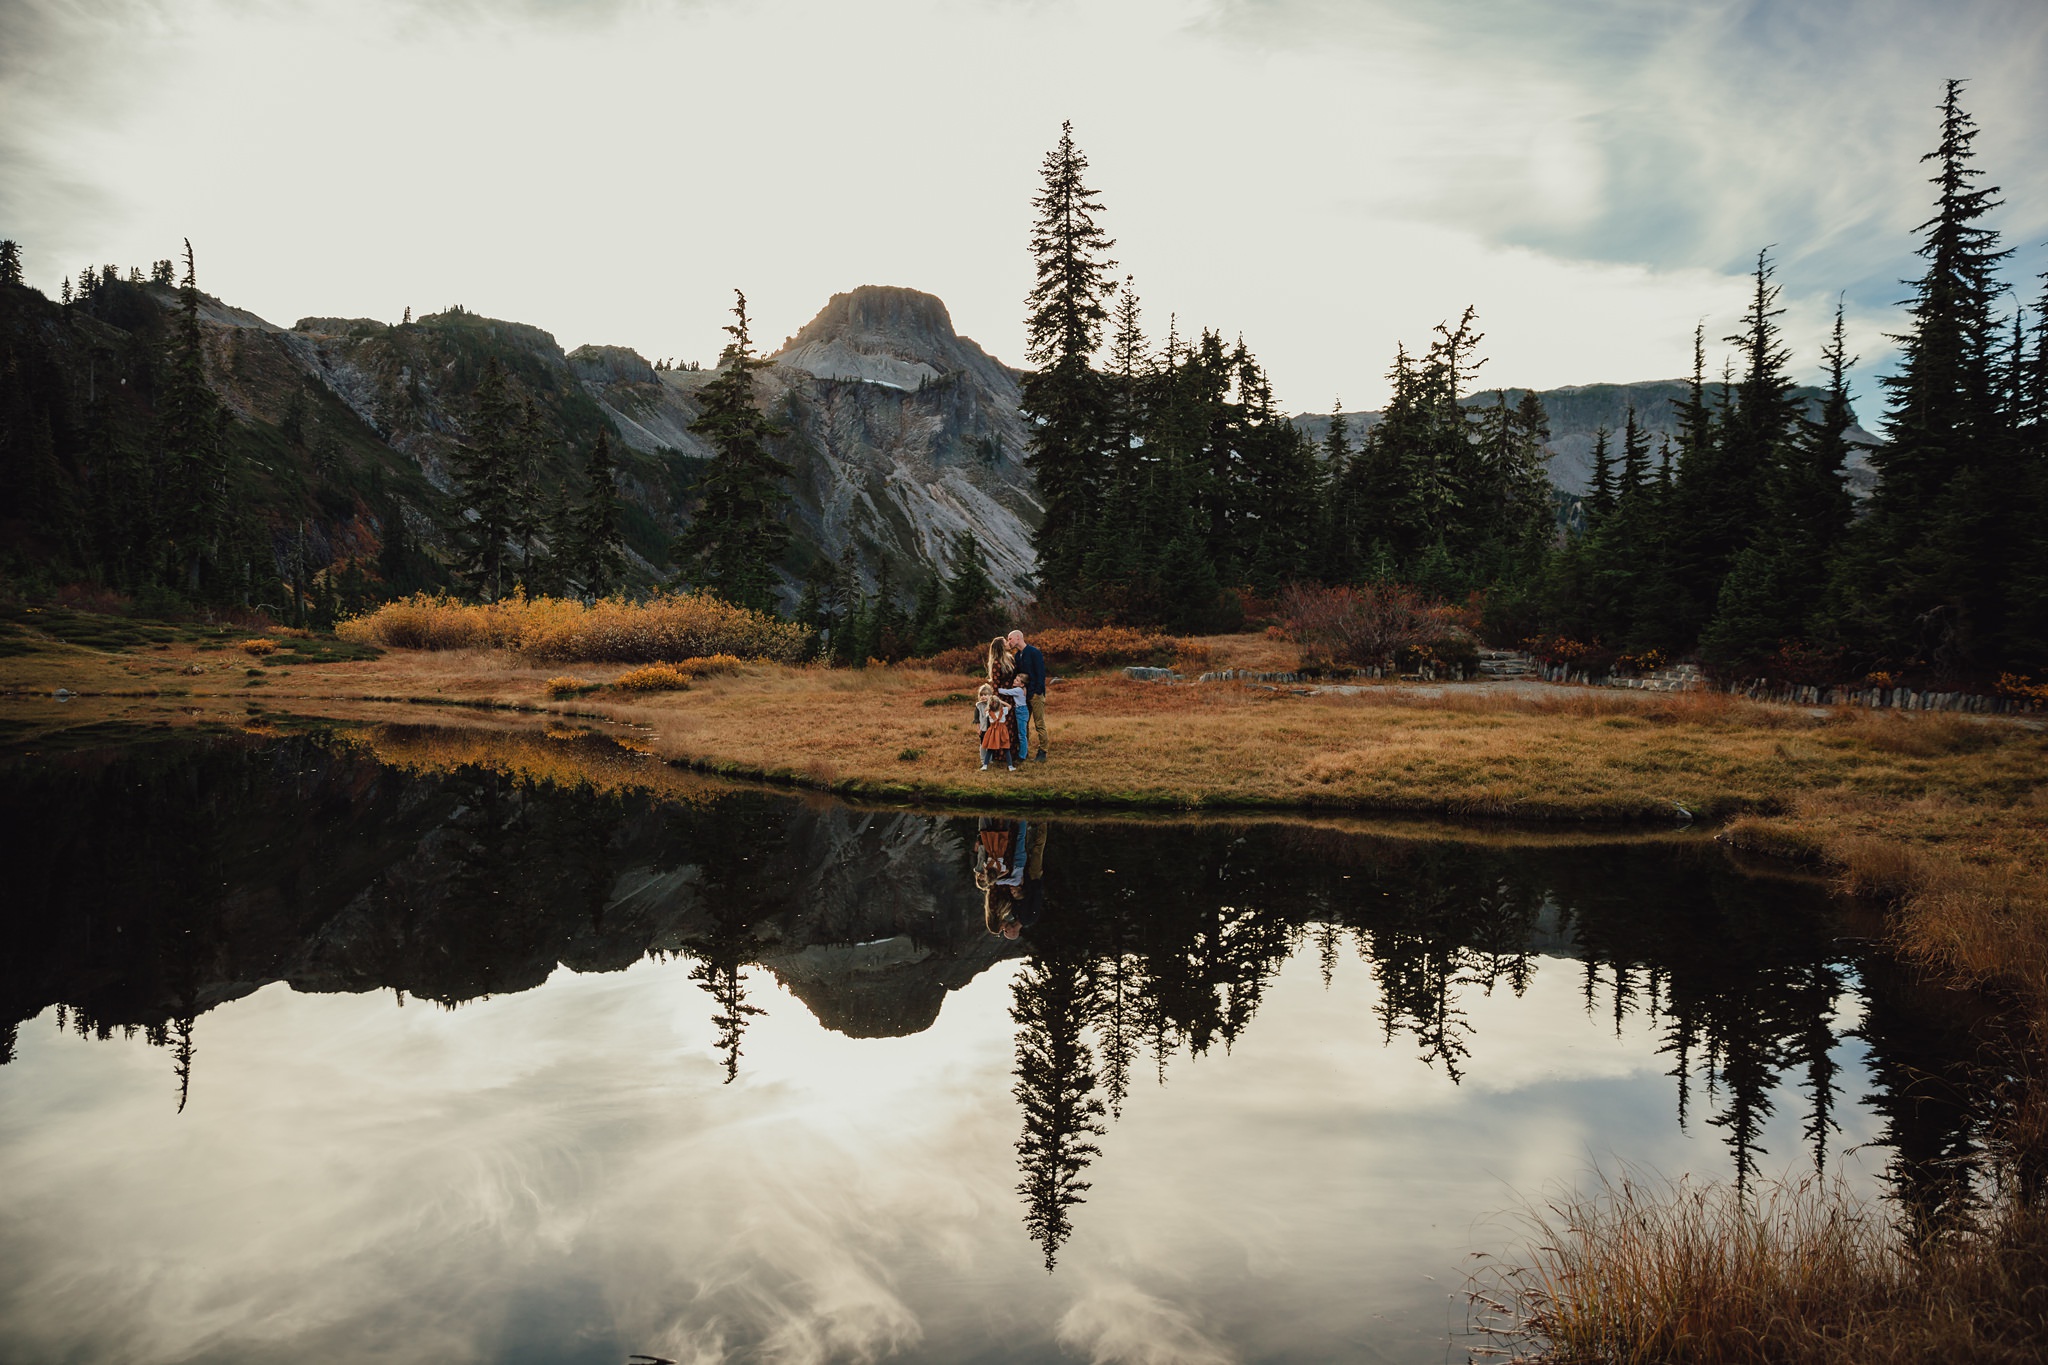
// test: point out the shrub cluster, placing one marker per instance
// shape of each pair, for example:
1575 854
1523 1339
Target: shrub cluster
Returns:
1076 647
669 627
1376 625
653 678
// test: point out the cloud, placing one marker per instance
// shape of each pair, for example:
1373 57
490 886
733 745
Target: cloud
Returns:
1119 1324
1324 176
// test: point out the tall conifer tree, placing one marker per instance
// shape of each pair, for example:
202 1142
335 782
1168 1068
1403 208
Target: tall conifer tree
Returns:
600 564
1063 395
487 467
740 528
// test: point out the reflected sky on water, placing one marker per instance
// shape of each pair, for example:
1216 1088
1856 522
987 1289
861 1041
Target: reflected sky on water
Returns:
1252 1092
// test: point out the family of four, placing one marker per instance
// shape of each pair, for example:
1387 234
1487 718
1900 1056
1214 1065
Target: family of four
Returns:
1010 702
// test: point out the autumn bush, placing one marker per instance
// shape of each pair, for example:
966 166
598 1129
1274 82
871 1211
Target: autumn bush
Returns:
653 678
258 646
670 627
1073 647
1373 626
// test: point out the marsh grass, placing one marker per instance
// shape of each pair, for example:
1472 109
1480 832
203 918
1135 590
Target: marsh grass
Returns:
1800 1271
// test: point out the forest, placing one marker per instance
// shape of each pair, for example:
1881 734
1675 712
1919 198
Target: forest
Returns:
1176 493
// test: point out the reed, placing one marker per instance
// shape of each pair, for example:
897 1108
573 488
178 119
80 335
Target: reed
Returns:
1797 1271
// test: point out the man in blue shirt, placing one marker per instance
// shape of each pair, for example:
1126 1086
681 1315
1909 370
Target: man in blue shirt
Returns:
1031 668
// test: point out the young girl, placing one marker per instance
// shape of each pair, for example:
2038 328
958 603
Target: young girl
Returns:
1009 685
992 717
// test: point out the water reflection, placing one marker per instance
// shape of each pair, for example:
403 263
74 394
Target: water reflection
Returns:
152 884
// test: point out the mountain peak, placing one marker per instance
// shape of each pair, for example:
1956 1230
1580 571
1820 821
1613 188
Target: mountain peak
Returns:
887 334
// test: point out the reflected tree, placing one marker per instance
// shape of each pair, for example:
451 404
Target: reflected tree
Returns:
1051 1000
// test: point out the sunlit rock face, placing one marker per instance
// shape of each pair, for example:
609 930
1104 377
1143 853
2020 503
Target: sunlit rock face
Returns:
902 436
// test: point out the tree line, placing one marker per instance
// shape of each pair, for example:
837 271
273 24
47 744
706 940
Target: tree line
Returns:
1174 490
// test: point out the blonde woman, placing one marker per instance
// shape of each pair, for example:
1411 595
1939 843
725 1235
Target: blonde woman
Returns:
1002 675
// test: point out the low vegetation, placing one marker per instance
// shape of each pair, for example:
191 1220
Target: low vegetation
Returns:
653 678
1082 647
1804 1271
668 628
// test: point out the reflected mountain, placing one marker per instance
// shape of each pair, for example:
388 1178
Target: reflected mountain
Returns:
153 882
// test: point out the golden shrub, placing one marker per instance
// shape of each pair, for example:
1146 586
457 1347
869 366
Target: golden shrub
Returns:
671 626
565 686
653 678
258 646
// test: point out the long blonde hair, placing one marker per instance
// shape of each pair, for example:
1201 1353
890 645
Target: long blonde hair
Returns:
998 658
996 901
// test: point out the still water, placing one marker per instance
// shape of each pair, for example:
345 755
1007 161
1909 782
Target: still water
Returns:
412 1045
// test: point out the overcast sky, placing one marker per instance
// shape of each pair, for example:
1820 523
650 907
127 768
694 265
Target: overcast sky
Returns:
1323 176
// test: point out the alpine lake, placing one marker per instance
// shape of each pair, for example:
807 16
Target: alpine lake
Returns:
389 1042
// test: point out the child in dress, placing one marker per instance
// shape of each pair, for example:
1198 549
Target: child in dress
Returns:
1009 685
992 717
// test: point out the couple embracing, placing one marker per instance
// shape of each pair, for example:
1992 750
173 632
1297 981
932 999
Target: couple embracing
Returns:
1010 700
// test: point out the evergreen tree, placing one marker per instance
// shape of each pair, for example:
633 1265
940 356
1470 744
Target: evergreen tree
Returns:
1064 397
599 566
10 262
1923 582
970 594
487 468
189 449
1600 492
740 528
927 618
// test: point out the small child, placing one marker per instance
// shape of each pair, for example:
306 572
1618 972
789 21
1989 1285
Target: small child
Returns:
992 718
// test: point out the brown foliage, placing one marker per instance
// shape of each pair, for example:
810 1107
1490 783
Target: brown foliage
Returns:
1076 647
1367 627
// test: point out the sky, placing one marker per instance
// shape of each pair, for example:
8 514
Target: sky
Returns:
1325 178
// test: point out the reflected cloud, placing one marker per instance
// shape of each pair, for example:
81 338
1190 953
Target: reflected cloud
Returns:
1373 1040
1119 1324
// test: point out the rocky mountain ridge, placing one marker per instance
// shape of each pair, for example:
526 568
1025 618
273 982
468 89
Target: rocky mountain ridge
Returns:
902 434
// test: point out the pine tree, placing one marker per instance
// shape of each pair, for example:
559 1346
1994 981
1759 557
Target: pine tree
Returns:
970 593
599 566
190 454
487 468
1921 582
740 528
928 618
1600 493
10 263
1064 397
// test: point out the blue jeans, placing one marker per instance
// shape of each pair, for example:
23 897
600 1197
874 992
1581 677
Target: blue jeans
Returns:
1023 721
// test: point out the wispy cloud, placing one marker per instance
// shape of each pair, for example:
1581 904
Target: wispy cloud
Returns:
1323 175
